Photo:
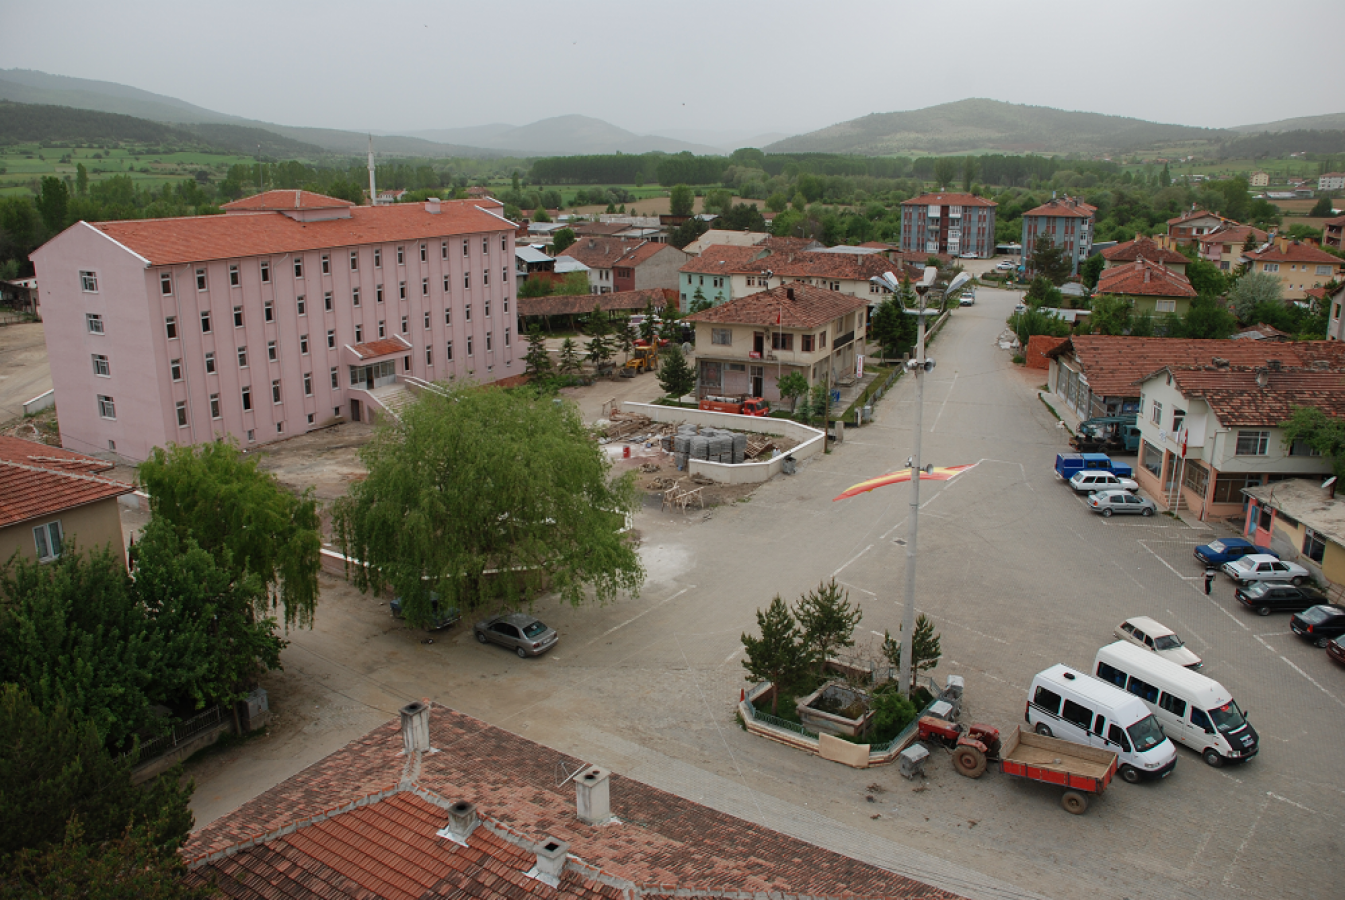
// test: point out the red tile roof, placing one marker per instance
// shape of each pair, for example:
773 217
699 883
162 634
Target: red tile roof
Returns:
1198 214
1065 207
201 238
723 259
1294 252
794 305
1113 364
352 825
1233 234
942 199
789 264
382 347
579 304
1237 398
38 481
1143 248
604 253
288 200
1146 279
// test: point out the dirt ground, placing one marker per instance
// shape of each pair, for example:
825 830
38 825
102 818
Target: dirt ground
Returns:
24 371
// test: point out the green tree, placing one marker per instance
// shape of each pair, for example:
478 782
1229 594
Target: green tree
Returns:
892 328
777 655
82 181
537 361
698 301
1110 314
945 170
1090 270
1034 321
242 517
1049 260
1324 434
1206 317
574 284
819 403
1165 177
540 215
53 204
968 172
625 336
475 481
647 323
682 200
827 621
718 200
569 357
688 231
1322 208
562 240
1206 278
792 385
777 202
75 869
1252 289
925 647
675 376
538 284
742 217
1041 292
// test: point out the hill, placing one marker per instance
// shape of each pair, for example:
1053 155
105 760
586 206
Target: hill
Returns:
1330 122
978 124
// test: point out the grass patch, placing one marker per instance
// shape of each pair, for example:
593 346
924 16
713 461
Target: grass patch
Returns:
1051 410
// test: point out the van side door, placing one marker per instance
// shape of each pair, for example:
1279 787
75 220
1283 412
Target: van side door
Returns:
1171 715
1076 722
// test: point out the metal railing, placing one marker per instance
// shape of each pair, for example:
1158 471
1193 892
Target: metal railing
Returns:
768 719
181 733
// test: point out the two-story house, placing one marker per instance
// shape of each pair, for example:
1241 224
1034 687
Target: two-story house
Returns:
1224 246
1298 265
1151 287
721 274
1068 222
616 264
746 345
1156 251
1210 431
1188 227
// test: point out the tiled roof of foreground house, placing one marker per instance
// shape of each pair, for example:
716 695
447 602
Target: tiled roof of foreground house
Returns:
1259 396
283 199
1145 248
1114 364
366 822
604 253
580 304
1144 278
1064 207
1284 251
793 305
37 480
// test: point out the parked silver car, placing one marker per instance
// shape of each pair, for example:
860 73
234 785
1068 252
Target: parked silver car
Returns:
1264 567
1088 481
521 633
1111 502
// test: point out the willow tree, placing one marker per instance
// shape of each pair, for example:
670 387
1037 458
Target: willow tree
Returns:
216 497
486 498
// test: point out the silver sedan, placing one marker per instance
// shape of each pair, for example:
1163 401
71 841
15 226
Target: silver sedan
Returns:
1111 502
521 633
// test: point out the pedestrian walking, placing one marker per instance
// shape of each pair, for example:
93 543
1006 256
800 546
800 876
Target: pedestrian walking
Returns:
1209 579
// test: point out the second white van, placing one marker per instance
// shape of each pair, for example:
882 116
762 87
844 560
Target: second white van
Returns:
1075 706
1194 710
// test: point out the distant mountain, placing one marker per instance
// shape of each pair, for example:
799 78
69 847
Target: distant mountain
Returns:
571 135
969 125
1330 122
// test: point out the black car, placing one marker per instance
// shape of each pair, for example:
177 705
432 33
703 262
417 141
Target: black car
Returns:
1266 597
1319 624
439 618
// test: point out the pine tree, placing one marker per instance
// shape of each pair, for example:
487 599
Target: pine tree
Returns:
569 357
925 648
647 325
827 620
778 655
537 361
625 336
676 377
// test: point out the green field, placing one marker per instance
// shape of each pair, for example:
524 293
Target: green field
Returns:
22 166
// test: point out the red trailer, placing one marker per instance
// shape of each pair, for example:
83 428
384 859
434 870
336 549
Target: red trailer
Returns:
1080 770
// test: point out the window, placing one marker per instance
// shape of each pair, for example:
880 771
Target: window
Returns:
280 428
354 296
1156 413
233 276
88 282
214 406
165 283
310 418
251 435
448 316
1197 477
485 246
443 249
266 272
506 306
1142 689
1314 545
424 287
448 351
205 321
308 384
504 242
102 370
1047 700
1174 705
1301 448
47 539
174 369
1178 419
327 300
465 251
721 336
247 398
1165 306
382 331
406 363
106 408
486 306
354 260
469 345
782 341
331 338
424 254
427 318
200 280
298 267
429 356
1270 267
445 284
94 322
300 305
336 380
1077 713
404 325
485 278
238 317
821 340
807 343
378 293
275 391
359 334
326 264
466 279
401 289
488 342
269 311
210 363
506 335
181 407
401 256
467 312
1117 736
378 258
1324 270
242 357
1252 443
1152 459
303 344
271 351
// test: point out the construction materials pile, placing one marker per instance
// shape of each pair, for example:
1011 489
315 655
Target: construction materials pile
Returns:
711 444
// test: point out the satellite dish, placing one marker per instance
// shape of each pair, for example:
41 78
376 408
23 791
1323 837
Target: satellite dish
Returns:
1328 482
686 347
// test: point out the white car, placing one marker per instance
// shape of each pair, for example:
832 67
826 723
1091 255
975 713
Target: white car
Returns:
1085 482
1006 266
1264 567
1145 632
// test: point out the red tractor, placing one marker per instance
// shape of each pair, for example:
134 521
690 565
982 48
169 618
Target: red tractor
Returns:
972 745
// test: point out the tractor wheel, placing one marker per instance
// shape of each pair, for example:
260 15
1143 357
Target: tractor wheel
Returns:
1044 729
969 761
1075 803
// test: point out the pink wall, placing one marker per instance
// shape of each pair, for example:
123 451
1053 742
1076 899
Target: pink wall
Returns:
139 351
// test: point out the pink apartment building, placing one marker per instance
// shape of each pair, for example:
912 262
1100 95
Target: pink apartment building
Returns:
291 311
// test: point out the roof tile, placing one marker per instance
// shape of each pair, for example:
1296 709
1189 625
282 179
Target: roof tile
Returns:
794 305
37 480
1144 278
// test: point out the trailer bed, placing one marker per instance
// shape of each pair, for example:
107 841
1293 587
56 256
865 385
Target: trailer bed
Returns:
1054 761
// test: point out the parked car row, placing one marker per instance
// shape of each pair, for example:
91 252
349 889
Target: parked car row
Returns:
522 633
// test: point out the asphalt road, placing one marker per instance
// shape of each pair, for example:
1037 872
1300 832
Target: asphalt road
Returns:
1016 574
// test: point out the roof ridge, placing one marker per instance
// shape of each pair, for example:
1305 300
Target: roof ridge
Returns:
79 476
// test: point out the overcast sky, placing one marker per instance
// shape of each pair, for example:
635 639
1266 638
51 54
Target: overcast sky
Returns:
741 66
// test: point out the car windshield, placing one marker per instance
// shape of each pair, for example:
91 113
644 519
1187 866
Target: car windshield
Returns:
1315 614
1218 546
1167 642
533 628
1228 717
1145 734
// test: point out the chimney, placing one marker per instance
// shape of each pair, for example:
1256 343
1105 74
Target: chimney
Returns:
789 293
462 822
551 855
1220 362
1262 377
593 796
592 243
416 727
432 206
1282 242
1274 365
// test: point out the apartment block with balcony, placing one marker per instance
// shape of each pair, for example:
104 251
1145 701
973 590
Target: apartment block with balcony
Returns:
290 312
953 223
1068 222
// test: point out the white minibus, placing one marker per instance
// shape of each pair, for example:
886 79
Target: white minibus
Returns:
1077 707
1194 710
